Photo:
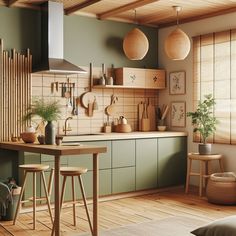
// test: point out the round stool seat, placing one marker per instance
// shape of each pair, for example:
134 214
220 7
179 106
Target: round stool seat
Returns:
210 157
72 171
34 167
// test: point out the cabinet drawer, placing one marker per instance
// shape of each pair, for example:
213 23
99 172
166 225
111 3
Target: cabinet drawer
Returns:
86 160
123 180
123 153
155 79
130 77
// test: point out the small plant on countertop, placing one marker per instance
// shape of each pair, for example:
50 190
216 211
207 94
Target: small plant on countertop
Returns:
47 110
202 119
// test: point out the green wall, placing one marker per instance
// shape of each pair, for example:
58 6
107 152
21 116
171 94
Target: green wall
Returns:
20 29
85 39
91 40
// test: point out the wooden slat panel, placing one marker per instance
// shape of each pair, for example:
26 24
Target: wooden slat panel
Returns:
15 92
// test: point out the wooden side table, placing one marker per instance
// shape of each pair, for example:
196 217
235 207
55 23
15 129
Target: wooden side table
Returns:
204 172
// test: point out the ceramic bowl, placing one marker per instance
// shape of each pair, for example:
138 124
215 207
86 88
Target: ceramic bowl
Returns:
161 127
28 137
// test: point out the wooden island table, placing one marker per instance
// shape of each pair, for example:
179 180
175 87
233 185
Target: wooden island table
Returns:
57 152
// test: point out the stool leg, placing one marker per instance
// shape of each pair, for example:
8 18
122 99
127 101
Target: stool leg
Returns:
200 179
188 174
206 172
221 165
85 202
34 200
50 182
20 198
46 194
62 198
73 198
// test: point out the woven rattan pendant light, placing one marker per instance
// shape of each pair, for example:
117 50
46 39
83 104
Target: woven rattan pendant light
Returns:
177 44
135 44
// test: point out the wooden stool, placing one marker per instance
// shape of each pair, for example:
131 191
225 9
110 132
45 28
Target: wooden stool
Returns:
204 172
35 168
73 172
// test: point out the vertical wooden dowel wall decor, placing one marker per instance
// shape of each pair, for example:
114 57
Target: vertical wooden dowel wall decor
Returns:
15 91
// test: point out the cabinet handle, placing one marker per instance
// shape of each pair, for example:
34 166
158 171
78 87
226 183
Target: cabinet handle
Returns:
132 77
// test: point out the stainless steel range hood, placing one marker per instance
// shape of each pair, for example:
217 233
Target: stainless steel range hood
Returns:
52 57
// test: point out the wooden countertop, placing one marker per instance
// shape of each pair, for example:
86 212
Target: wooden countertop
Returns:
119 136
53 149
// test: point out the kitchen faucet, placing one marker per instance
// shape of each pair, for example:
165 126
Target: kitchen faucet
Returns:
65 127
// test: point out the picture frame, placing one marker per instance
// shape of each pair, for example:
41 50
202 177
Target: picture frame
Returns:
178 114
177 83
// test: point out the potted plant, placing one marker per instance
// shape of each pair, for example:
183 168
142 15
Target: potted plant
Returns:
49 111
204 122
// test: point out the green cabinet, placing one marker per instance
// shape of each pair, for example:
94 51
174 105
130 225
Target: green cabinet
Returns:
123 180
172 161
146 163
123 153
86 160
128 165
123 166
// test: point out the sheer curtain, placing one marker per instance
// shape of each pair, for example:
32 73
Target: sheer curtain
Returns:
214 72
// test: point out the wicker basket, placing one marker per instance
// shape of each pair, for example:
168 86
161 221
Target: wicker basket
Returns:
221 188
28 137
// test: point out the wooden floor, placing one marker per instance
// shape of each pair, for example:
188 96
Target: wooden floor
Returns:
128 211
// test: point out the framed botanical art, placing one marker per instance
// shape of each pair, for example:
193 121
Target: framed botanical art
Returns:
178 114
177 83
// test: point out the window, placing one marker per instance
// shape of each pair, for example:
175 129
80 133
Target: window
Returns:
214 71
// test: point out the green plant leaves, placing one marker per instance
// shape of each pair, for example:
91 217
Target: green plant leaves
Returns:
47 110
202 119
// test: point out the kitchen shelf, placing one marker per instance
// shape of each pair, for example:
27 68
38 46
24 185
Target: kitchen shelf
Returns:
122 87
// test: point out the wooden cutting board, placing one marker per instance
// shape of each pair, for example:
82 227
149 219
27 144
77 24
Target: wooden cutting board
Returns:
140 114
152 117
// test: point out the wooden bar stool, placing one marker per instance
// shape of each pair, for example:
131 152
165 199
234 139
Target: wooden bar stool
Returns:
74 172
34 169
204 172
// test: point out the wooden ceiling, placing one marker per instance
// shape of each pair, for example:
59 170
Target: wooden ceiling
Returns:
158 13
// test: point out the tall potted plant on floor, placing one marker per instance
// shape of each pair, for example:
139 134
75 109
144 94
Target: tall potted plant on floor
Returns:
49 111
204 122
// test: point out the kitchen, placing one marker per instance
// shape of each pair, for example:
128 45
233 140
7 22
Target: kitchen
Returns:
100 44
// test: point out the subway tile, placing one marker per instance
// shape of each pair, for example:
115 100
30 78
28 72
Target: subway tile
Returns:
37 91
37 81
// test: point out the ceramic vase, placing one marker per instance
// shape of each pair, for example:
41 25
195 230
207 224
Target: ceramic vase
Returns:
50 133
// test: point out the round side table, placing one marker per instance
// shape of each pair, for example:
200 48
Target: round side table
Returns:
204 172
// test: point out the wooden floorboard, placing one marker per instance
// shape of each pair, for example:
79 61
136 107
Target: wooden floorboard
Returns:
170 206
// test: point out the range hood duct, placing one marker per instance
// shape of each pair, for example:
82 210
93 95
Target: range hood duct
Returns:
52 57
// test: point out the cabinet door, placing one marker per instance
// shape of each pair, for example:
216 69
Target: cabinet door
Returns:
133 77
86 160
172 159
146 163
123 180
155 79
123 153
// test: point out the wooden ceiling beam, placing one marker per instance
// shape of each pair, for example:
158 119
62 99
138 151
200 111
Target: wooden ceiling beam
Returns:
152 19
80 6
11 2
124 8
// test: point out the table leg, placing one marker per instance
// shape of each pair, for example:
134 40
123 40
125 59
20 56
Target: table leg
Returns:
57 196
95 193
